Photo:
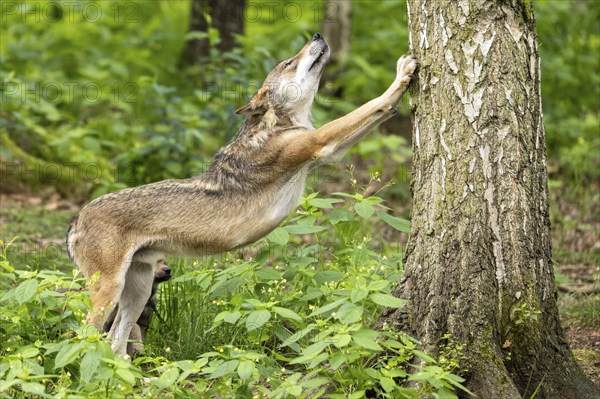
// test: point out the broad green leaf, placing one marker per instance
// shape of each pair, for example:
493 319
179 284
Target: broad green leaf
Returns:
34 388
324 202
287 313
377 285
341 340
328 308
268 274
67 354
26 290
349 313
340 215
245 369
358 294
367 339
364 209
226 368
326 276
167 379
89 364
279 236
387 300
257 319
232 317
315 382
396 222
126 375
387 384
298 335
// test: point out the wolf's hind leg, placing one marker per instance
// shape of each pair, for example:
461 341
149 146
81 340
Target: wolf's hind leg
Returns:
135 294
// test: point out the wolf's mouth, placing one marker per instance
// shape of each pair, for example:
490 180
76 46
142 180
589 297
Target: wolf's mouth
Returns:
319 58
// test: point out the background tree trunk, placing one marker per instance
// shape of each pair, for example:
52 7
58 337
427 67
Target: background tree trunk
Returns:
226 16
478 263
337 23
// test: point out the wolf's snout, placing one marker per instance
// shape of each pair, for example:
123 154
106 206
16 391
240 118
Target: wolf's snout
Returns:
317 36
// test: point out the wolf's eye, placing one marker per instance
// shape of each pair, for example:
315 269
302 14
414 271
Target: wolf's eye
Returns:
287 64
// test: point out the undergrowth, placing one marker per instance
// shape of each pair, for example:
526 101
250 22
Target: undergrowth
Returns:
292 316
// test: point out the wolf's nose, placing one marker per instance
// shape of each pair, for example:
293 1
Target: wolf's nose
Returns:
168 271
317 36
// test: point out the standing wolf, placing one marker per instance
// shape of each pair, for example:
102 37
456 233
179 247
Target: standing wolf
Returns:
251 186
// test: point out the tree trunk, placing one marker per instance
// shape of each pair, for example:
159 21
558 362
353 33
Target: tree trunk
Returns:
337 22
478 263
226 16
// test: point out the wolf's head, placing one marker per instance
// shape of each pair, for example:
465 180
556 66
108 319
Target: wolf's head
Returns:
290 88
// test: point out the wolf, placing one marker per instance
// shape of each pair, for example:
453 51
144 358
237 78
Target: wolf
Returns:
249 189
162 273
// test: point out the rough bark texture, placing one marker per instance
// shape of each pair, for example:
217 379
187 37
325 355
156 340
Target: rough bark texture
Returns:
478 263
226 16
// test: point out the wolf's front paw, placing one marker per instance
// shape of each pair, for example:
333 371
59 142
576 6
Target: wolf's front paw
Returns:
405 68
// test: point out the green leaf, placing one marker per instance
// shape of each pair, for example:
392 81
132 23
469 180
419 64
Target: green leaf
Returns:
377 285
268 274
349 313
26 290
232 317
328 308
358 294
126 375
67 354
246 369
279 236
387 300
287 313
341 340
303 229
367 339
257 319
314 383
364 209
324 202
89 364
34 388
340 215
298 335
167 379
387 384
396 222
326 276
226 368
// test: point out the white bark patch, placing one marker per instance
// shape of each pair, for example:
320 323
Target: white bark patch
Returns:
446 31
417 135
450 61
465 191
508 95
423 32
545 286
443 178
484 153
484 45
442 142
472 103
433 80
410 42
515 31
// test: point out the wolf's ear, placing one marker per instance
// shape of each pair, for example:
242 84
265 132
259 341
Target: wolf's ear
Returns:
257 105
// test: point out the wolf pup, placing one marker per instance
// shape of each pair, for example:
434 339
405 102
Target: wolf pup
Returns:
251 186
162 273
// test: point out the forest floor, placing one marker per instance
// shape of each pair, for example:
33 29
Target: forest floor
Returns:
40 222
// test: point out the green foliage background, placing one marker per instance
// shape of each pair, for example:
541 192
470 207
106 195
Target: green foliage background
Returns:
97 88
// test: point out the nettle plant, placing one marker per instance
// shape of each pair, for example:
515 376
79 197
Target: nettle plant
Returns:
293 317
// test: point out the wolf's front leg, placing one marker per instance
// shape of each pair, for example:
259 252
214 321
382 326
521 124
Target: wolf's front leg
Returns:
336 137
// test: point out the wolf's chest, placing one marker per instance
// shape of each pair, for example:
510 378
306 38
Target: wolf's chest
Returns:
285 198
